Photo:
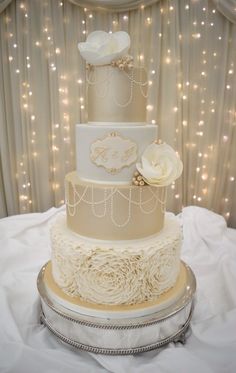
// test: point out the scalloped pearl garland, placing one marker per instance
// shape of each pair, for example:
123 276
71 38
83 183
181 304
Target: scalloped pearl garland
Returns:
124 64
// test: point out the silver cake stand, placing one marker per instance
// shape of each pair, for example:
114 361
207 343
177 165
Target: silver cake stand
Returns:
119 336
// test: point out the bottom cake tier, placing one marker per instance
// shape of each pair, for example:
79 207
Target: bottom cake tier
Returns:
118 329
116 272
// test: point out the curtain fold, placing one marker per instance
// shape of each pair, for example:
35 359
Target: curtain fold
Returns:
113 5
227 8
189 52
4 4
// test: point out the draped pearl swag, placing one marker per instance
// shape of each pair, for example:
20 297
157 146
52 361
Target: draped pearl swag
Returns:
189 51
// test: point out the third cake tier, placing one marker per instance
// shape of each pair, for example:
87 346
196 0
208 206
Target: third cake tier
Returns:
113 212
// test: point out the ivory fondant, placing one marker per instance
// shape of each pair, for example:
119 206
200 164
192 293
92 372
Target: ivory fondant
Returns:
77 304
116 95
116 273
113 212
108 152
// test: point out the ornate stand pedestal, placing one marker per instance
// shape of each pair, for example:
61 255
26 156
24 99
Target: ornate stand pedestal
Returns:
116 335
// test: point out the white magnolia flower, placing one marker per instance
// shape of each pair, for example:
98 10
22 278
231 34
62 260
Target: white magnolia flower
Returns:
160 165
101 47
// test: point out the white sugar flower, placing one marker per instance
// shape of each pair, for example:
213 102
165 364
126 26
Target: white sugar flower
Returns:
160 165
101 47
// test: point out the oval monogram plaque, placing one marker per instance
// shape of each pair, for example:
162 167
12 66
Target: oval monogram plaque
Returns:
113 152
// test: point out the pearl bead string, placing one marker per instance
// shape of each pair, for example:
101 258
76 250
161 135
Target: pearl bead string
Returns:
121 225
77 197
105 205
108 79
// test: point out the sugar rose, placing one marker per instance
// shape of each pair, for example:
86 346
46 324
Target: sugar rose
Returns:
160 165
102 48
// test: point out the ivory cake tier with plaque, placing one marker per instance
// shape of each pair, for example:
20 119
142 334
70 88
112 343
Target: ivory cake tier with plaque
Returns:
116 252
108 152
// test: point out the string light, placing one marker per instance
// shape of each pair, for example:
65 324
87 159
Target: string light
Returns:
185 88
225 138
149 107
196 36
204 176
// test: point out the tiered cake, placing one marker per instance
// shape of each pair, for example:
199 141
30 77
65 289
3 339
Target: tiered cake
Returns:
116 253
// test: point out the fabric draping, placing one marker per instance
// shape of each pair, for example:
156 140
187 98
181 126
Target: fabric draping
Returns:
227 8
26 346
114 5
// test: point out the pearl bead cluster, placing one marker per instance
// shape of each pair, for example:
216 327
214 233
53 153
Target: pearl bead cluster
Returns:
123 63
138 179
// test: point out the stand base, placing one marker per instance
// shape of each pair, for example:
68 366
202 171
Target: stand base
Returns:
119 336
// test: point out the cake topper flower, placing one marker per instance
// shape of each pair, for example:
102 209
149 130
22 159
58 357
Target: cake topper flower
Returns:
102 48
159 165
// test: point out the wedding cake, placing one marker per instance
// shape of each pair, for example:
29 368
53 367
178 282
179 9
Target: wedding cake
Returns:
116 249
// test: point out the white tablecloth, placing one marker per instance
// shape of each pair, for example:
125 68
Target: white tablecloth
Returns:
209 247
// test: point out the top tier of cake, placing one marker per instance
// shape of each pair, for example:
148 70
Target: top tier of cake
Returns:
116 95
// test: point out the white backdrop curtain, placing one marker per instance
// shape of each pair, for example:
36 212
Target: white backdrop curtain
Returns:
189 51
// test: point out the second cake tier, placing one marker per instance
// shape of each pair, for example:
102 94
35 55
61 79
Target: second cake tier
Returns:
113 212
108 152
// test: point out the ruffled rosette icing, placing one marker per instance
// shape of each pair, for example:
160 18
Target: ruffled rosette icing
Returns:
115 273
